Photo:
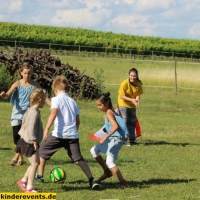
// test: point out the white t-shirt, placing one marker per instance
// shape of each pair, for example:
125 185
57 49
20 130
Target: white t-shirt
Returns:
65 121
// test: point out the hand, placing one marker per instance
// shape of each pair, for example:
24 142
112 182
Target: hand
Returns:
45 134
35 146
103 140
135 102
2 94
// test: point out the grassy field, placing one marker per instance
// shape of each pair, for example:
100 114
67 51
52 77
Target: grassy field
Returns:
151 73
164 167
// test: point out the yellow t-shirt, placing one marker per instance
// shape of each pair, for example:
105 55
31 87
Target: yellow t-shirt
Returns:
129 90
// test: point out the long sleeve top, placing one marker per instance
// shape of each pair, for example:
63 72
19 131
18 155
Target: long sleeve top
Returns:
32 128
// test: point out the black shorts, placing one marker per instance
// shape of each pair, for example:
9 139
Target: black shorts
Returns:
24 148
53 144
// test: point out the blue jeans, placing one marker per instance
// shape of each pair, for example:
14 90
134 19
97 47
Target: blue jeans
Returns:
129 116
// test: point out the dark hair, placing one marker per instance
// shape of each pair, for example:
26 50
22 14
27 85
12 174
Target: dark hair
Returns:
136 71
105 99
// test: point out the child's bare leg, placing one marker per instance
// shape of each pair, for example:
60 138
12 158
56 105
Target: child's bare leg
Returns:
16 156
115 170
41 166
34 160
21 157
13 162
101 162
107 173
85 168
122 182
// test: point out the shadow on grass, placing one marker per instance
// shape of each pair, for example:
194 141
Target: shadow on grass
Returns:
77 185
134 184
2 148
160 181
4 100
150 142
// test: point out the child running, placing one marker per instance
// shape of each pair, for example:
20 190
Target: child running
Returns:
20 91
65 115
110 144
31 133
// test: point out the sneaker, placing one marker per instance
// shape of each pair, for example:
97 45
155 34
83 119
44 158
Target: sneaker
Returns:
38 180
13 162
126 143
94 185
30 190
22 185
134 142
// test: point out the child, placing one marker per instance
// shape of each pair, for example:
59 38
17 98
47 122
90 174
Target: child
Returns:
128 99
65 115
31 133
20 91
110 144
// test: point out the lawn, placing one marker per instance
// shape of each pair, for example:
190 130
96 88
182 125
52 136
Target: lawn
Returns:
165 166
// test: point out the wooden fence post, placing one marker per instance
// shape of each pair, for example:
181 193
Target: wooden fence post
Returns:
175 76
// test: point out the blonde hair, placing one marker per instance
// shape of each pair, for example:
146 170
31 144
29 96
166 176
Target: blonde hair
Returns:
26 65
60 83
36 95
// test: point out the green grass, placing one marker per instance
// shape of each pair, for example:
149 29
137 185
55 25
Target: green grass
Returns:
165 166
151 73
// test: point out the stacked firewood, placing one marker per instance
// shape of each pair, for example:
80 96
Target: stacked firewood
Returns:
46 68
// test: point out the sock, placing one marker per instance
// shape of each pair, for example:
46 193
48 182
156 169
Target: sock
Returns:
39 176
29 187
24 180
91 178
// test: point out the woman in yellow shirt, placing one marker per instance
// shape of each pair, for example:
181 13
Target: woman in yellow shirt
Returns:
128 99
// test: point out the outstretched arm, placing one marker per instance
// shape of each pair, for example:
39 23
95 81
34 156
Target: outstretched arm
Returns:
6 95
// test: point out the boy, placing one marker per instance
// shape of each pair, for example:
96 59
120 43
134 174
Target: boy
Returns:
65 115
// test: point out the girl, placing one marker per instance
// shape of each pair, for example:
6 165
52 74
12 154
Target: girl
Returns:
128 99
20 91
110 145
31 133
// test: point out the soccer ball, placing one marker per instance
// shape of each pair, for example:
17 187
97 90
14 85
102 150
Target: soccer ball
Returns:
57 175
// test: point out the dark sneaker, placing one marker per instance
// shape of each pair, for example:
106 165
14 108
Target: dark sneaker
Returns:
94 185
134 142
38 180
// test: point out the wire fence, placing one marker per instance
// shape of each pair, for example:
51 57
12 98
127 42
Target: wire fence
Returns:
176 74
105 52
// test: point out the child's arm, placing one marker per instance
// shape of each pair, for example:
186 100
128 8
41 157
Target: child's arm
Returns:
77 121
37 85
50 121
10 91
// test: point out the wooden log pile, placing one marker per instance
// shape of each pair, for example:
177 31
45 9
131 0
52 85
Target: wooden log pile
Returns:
47 67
